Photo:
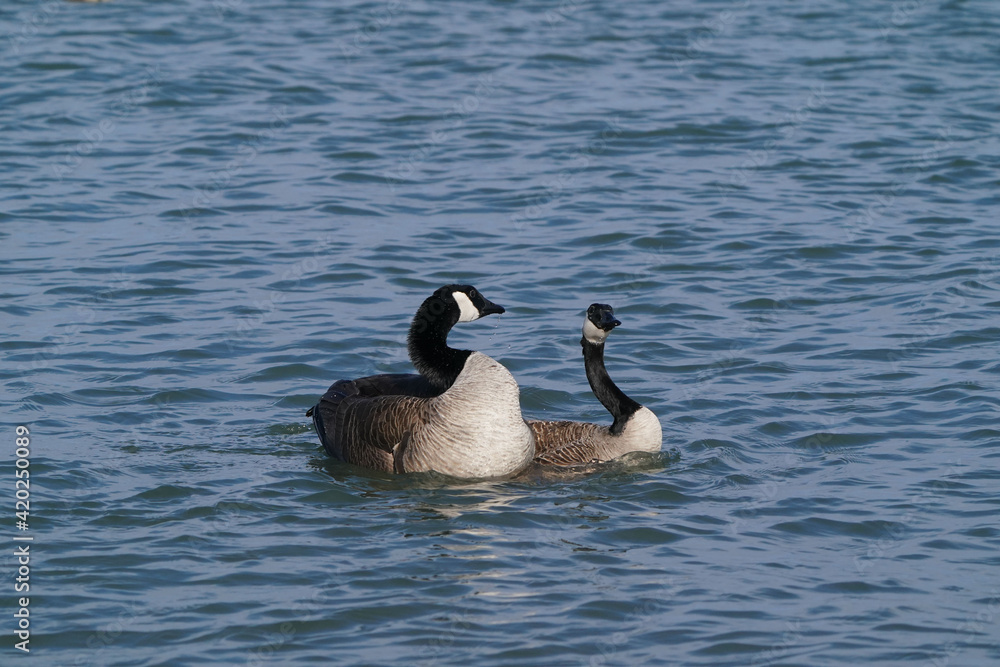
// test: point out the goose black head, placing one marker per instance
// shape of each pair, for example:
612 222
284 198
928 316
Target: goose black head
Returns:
427 341
599 323
450 305
471 303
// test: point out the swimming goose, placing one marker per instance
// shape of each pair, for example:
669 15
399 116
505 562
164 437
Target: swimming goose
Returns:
461 416
635 428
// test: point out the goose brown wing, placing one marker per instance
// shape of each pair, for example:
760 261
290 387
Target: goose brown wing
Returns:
563 442
573 453
363 429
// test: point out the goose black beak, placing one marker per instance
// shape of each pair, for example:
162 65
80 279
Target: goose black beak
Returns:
490 308
608 321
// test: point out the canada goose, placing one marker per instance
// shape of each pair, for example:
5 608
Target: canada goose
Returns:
461 416
635 428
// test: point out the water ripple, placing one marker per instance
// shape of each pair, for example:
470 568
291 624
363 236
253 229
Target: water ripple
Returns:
212 211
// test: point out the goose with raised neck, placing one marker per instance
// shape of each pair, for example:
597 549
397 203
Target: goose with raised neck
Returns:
635 427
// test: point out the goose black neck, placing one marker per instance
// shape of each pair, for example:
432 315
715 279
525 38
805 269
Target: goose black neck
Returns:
427 343
607 392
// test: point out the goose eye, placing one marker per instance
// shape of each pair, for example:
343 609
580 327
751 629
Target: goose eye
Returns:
472 293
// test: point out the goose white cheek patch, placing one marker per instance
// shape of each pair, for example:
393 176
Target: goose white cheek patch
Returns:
592 333
467 312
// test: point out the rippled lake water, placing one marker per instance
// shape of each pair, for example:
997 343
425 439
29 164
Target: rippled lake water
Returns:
211 211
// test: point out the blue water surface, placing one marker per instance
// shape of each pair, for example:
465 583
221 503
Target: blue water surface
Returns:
210 211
